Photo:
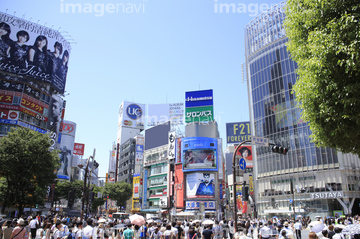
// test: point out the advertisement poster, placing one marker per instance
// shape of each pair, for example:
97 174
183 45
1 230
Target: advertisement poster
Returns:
136 183
179 186
245 152
199 154
35 52
239 202
57 106
161 113
200 185
68 130
79 149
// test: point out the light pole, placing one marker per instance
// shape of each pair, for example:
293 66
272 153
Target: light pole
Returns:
84 188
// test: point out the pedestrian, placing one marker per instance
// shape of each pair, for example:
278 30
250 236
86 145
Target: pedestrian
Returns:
143 231
325 234
7 229
128 233
331 231
265 232
192 233
217 230
34 224
312 235
207 233
168 234
57 230
19 231
297 227
88 230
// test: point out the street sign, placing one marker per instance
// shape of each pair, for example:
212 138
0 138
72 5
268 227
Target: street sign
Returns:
259 141
291 201
242 164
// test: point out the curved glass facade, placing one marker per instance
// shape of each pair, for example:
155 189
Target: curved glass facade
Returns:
275 115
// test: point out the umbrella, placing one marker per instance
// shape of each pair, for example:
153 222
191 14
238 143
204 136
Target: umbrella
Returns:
318 217
351 229
195 221
119 226
299 216
316 226
341 226
150 220
101 220
137 219
208 222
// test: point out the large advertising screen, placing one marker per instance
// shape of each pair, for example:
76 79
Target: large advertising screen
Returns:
161 113
238 132
33 52
200 185
199 154
132 115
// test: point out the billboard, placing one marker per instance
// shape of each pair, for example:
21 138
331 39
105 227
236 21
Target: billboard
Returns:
238 132
161 113
178 151
132 115
193 205
136 183
199 154
179 186
33 52
245 152
157 136
56 114
199 106
200 185
139 154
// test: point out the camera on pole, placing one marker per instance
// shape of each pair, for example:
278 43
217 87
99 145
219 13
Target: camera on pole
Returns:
279 149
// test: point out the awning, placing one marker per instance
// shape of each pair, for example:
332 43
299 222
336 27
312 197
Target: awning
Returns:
150 210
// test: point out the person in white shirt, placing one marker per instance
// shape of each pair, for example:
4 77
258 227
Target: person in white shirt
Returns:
289 232
297 227
88 231
34 223
57 232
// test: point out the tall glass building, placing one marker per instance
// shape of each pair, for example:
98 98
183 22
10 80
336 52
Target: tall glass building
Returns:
325 182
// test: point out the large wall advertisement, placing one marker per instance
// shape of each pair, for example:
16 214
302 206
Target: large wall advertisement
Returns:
161 113
56 115
68 130
238 132
33 52
199 154
179 186
139 154
200 185
199 106
131 115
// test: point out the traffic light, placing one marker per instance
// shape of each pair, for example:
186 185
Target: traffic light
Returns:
279 149
71 198
96 164
245 193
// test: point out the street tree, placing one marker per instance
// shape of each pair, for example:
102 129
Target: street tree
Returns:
324 40
62 189
27 167
119 191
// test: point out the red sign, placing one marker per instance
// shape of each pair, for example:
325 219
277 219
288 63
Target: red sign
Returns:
32 105
67 128
10 107
6 98
4 113
78 149
179 186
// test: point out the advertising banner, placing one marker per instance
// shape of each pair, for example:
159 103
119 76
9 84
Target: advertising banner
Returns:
112 160
79 149
145 188
199 154
245 152
191 205
199 114
238 132
179 186
68 130
35 52
56 115
132 115
136 183
198 98
171 145
178 150
161 113
239 202
200 185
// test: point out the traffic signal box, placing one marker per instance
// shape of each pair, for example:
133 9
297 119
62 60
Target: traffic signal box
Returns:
279 149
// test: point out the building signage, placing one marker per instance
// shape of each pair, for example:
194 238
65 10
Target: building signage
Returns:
238 132
171 145
191 205
198 98
6 98
199 114
10 107
79 149
178 150
145 188
161 113
131 115
327 195
32 104
163 202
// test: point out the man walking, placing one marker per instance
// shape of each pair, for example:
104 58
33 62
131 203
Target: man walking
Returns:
34 223
297 227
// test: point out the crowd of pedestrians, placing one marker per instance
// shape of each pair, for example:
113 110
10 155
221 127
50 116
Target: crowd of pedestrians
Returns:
58 227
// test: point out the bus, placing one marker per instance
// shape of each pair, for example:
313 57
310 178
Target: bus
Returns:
121 216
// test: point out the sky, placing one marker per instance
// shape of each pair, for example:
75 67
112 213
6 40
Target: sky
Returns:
147 52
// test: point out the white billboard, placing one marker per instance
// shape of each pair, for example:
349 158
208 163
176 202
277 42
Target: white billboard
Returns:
161 113
131 115
68 130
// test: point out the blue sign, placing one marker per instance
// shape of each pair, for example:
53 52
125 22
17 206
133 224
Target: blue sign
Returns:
198 98
145 187
291 201
134 111
242 164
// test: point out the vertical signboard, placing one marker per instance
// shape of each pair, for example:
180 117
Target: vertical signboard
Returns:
145 187
139 154
179 186
171 145
178 151
68 130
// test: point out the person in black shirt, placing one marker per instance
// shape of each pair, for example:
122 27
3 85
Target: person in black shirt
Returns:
207 233
38 54
19 50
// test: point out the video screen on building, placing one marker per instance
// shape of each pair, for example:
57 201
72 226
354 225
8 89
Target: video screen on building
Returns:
199 154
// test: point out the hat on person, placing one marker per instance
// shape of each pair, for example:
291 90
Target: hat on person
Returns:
21 221
286 224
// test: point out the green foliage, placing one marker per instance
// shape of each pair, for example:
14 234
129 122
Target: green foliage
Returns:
324 39
27 166
62 189
120 192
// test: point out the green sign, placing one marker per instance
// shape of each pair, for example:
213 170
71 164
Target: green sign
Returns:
199 114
